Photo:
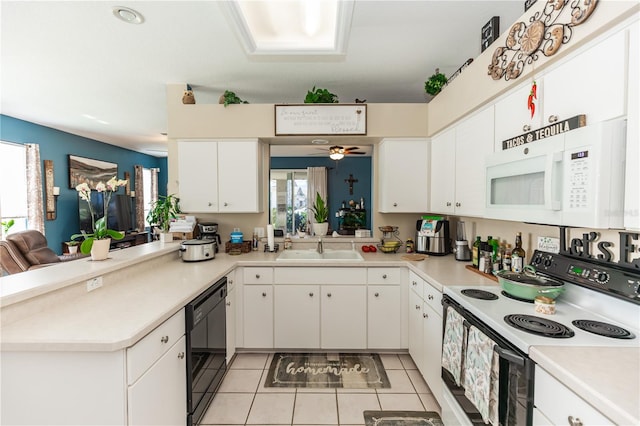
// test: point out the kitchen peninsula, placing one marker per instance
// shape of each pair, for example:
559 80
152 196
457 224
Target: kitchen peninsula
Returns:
62 347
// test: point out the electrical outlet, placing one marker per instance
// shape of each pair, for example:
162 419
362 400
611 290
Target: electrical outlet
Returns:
94 283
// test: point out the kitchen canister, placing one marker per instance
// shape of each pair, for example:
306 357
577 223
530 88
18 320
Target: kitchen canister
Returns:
236 236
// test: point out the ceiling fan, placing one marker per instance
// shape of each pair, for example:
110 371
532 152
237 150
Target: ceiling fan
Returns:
337 152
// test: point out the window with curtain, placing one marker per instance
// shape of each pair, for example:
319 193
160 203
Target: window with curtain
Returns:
288 200
13 187
146 193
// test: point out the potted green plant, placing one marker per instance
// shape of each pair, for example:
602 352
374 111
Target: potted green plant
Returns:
320 216
435 83
229 98
6 225
162 212
72 246
320 96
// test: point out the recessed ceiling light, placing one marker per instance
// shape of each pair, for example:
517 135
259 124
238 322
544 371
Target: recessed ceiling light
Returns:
319 142
127 15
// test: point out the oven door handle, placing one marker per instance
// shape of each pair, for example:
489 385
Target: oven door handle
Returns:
510 356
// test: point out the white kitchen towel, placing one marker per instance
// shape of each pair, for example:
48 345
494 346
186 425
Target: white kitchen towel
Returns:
453 344
478 366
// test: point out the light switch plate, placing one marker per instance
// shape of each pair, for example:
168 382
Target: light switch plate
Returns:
549 244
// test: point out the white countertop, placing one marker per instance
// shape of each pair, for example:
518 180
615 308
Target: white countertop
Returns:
144 285
607 378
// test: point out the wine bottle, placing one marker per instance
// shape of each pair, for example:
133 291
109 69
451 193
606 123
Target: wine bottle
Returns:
518 255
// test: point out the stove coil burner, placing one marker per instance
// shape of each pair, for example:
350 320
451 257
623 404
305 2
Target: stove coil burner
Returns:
479 294
519 299
603 329
539 326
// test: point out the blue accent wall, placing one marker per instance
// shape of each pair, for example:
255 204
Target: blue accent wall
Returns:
338 171
57 145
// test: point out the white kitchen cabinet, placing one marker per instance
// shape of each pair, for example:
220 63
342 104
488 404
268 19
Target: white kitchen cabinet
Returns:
231 312
258 316
159 396
403 176
557 404
432 349
384 317
512 117
458 165
344 317
297 316
632 171
416 331
220 176
599 93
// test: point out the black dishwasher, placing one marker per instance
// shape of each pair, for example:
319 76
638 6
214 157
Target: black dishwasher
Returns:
206 348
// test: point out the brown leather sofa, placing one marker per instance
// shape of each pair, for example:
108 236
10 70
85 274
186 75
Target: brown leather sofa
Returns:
26 250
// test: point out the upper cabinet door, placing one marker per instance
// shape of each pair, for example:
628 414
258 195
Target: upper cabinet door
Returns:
512 117
592 83
632 171
198 176
474 141
403 176
239 176
443 169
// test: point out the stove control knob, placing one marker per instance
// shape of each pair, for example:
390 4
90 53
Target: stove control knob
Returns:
602 278
547 262
536 260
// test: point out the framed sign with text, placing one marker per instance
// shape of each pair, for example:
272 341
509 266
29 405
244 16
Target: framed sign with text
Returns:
321 119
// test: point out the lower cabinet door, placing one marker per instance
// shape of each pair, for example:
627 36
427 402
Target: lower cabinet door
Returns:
258 316
231 324
297 316
416 330
159 396
344 317
383 317
432 350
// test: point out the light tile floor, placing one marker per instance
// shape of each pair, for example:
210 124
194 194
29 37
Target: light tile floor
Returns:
243 399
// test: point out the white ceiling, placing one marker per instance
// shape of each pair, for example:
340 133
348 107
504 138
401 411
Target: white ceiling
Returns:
72 66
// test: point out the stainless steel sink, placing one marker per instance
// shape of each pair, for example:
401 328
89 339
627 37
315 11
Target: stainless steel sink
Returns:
313 255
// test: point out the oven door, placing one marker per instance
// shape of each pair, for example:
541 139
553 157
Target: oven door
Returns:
206 348
526 182
515 394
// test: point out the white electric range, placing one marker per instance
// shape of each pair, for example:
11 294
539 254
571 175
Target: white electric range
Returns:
598 299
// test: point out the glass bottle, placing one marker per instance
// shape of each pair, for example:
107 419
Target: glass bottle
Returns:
475 250
506 260
517 255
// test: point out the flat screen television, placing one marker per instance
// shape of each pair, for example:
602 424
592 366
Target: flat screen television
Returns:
120 212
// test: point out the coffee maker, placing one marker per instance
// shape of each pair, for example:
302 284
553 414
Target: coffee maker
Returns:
209 231
432 237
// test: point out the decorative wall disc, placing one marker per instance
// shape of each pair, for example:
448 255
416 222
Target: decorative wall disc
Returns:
545 32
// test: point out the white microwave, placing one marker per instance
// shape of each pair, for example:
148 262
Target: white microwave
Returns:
574 178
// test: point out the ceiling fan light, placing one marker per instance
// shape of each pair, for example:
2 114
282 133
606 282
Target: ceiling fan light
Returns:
336 156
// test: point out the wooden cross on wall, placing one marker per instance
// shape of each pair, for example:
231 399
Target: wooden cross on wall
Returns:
351 181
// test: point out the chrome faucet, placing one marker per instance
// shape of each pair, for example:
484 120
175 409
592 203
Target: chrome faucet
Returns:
320 248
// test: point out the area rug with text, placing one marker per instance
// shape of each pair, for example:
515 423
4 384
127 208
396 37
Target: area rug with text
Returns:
327 370
402 418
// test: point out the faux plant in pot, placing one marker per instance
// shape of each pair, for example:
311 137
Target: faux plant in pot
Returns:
435 83
72 246
320 96
229 97
165 209
320 216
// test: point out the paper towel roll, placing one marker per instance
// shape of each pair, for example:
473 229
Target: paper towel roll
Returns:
270 240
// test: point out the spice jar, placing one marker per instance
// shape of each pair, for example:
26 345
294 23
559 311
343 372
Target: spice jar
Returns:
545 305
409 245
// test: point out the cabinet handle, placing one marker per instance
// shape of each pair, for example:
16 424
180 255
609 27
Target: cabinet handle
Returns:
384 276
226 204
264 294
164 339
425 315
310 294
377 294
328 294
181 355
417 306
574 421
230 281
228 303
430 297
553 118
209 204
458 204
414 283
526 128
395 204
448 203
258 276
